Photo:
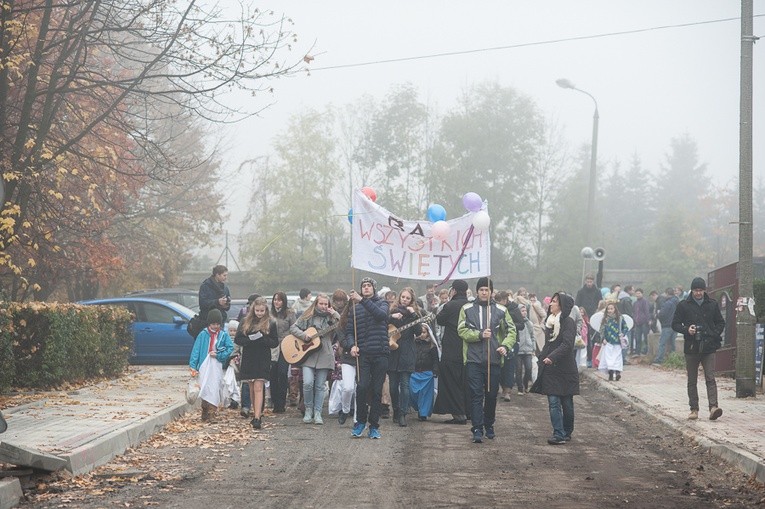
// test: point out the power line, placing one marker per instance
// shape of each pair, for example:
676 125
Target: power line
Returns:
525 44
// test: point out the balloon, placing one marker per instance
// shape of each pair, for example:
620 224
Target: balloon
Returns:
441 230
436 213
472 202
481 220
369 193
350 215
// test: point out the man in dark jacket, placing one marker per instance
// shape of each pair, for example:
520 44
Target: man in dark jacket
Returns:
451 397
665 314
214 293
699 320
589 297
366 336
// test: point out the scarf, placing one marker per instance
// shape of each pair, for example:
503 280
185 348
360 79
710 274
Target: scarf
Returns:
553 322
213 339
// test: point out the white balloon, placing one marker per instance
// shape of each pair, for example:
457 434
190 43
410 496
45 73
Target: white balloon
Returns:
481 220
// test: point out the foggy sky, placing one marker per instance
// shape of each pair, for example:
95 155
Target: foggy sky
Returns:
650 86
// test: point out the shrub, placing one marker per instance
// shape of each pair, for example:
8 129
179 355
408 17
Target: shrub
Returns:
45 344
675 360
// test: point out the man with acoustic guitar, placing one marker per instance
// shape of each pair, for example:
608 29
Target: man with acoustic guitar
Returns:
366 336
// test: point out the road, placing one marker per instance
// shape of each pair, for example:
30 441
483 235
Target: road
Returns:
618 458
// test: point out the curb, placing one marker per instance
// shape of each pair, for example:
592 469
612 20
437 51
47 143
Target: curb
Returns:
741 459
10 493
100 451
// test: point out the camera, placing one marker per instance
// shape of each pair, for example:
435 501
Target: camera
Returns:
699 327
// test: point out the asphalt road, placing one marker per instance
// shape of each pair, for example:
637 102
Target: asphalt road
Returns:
618 458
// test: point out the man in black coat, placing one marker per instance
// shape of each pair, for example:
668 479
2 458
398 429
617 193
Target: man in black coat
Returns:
366 336
451 398
699 320
214 293
588 297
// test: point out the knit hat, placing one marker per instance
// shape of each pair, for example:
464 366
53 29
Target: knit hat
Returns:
214 316
484 281
252 298
370 281
698 284
459 286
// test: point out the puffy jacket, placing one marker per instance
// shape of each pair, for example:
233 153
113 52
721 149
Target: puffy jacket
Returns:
473 321
371 318
708 316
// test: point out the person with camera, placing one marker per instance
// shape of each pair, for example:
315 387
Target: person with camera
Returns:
214 293
699 320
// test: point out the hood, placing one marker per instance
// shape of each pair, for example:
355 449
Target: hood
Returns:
566 304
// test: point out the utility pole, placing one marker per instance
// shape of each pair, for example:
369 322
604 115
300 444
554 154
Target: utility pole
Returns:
745 386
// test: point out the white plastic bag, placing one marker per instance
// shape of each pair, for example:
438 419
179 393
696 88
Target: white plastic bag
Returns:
192 391
230 388
335 402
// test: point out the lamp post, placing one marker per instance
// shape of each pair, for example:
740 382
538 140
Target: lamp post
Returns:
564 83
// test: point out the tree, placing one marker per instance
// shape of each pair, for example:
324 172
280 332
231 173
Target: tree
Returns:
82 84
488 145
293 234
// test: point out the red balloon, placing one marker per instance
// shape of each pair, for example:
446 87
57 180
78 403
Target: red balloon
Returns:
369 193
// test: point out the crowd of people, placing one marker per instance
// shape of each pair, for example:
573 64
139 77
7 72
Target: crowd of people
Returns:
378 353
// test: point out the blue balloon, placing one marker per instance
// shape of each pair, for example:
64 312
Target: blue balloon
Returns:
350 215
436 213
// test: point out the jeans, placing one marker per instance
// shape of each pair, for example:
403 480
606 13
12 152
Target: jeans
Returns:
246 400
707 362
398 381
314 388
561 415
483 399
667 339
640 334
279 383
372 370
507 374
523 371
347 387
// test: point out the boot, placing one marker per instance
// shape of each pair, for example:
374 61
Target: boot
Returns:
610 375
205 411
308 417
402 420
618 376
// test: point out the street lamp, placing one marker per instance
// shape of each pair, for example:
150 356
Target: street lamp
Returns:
564 83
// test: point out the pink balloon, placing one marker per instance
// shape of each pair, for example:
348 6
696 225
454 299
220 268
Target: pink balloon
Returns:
369 193
441 230
472 202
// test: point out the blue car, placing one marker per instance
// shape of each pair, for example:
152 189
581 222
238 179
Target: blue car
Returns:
159 329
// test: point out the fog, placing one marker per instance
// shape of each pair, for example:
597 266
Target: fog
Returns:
651 85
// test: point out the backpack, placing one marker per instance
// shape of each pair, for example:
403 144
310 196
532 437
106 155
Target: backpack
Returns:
195 326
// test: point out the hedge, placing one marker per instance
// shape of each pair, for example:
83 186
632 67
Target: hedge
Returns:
43 345
759 300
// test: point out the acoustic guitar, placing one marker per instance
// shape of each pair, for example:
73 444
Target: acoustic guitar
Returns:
394 334
295 349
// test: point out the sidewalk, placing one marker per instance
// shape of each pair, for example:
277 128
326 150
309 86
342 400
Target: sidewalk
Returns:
83 429
738 436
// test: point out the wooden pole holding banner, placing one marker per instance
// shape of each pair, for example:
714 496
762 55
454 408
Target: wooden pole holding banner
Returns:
488 343
355 337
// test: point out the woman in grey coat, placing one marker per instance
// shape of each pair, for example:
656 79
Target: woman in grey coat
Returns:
317 364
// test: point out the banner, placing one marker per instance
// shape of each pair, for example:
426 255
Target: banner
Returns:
385 244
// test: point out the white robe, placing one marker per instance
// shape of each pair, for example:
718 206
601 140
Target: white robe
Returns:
611 358
211 381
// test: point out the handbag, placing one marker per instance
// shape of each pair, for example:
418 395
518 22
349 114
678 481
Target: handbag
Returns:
623 339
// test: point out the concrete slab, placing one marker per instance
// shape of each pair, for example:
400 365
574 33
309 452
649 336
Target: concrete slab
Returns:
10 493
28 457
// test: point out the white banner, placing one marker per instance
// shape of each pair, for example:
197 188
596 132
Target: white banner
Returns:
385 244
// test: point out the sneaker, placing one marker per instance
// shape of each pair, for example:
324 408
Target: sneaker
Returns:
477 436
374 433
714 413
245 412
490 432
341 418
618 376
556 441
506 396
423 417
694 415
358 429
256 423
317 419
567 438
308 417
520 392
233 405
